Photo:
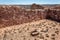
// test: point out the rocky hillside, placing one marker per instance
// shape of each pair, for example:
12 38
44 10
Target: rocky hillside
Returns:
37 30
14 15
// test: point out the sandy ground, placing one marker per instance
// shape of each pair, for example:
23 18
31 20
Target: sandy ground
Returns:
37 30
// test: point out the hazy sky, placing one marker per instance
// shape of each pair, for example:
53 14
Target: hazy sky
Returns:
29 1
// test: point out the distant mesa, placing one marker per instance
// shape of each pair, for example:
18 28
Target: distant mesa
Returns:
36 6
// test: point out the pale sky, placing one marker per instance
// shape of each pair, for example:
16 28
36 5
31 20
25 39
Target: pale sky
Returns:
29 1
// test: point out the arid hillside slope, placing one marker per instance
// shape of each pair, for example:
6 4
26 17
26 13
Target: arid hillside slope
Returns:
37 30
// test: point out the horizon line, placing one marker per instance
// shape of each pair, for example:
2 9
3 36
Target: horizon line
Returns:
29 4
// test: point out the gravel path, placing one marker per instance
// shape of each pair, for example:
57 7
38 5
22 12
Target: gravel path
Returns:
39 30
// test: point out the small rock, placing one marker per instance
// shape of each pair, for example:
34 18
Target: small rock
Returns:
34 33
